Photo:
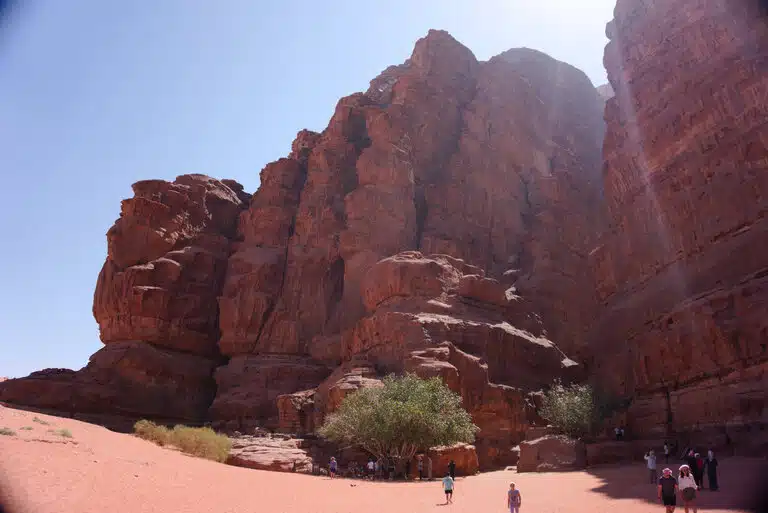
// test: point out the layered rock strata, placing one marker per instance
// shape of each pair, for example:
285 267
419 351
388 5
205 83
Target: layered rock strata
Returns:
683 271
155 303
318 284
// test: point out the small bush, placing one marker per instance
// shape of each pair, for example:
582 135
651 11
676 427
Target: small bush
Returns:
148 430
27 428
65 433
202 442
572 409
41 421
7 432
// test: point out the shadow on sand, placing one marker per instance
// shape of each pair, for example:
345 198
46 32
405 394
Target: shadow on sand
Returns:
742 481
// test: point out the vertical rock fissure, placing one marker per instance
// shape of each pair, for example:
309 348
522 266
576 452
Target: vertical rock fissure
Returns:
271 308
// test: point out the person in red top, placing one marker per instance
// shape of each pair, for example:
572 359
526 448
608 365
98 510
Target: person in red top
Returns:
698 471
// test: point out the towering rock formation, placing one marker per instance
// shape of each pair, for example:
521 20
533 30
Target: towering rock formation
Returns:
495 163
441 223
155 303
683 271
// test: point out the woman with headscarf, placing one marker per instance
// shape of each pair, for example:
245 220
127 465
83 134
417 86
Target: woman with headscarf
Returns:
711 464
687 485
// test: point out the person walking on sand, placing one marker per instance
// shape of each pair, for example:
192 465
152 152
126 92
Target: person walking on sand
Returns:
448 488
667 490
514 499
650 458
452 469
333 467
420 466
687 485
711 465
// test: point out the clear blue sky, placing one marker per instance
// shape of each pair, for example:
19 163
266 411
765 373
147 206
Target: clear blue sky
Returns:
97 94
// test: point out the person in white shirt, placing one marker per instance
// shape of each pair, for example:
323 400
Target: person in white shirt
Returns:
650 458
687 486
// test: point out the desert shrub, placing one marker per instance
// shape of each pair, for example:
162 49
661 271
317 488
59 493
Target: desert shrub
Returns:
403 416
26 428
148 430
40 421
7 431
571 409
65 433
202 442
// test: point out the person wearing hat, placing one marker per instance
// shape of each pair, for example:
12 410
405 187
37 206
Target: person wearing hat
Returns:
687 485
667 490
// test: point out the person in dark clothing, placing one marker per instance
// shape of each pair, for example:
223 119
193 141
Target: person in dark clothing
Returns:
711 465
407 470
452 469
690 459
667 490
698 471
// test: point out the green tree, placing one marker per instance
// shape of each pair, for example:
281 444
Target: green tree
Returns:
407 414
570 408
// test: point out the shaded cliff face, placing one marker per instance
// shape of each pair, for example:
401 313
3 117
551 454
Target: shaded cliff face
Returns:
683 271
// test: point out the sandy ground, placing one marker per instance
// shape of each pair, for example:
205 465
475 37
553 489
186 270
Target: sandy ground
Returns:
100 471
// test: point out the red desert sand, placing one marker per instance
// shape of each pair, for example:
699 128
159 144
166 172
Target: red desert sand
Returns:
97 470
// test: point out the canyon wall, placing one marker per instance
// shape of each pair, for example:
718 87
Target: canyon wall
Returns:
682 273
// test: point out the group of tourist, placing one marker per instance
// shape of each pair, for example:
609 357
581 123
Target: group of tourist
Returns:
382 469
689 481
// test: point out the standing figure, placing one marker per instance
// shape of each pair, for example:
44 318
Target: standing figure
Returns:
448 488
667 490
452 469
333 467
711 464
514 499
687 485
650 458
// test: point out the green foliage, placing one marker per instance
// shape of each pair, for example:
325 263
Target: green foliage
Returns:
148 430
7 431
41 421
403 416
202 442
572 409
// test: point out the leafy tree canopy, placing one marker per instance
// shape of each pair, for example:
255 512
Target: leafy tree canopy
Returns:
405 415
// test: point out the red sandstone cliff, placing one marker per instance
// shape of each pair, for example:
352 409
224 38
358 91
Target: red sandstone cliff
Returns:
491 169
683 271
155 303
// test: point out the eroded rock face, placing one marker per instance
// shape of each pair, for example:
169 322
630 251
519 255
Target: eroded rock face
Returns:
441 154
441 223
682 272
550 454
155 303
420 322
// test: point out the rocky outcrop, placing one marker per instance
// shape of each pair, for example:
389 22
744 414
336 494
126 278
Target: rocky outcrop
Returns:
683 270
440 224
483 162
550 454
424 318
464 456
155 303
